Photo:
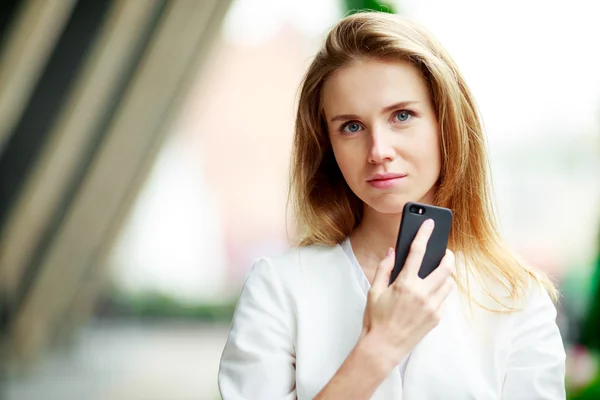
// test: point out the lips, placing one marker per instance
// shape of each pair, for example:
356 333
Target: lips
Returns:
385 177
386 181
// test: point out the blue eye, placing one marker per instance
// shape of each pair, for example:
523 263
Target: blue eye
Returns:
352 128
403 116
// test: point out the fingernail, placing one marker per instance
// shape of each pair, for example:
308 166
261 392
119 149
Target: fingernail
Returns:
389 252
429 223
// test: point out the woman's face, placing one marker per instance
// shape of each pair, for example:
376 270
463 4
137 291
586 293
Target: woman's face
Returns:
384 132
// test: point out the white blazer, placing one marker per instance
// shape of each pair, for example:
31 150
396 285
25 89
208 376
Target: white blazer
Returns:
300 314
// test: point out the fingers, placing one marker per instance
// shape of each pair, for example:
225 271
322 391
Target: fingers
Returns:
417 250
443 291
442 273
384 270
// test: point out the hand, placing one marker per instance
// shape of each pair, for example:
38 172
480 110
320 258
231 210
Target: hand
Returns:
398 316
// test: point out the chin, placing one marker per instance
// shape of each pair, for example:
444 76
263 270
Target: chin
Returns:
393 203
389 204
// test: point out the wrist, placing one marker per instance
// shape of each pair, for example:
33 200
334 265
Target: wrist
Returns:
378 354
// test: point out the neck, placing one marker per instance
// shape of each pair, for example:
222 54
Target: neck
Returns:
376 233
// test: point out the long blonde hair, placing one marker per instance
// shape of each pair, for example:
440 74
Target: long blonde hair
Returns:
326 210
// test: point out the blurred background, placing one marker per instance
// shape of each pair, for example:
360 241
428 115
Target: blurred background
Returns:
144 149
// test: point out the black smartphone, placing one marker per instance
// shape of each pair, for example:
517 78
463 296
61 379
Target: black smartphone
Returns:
413 215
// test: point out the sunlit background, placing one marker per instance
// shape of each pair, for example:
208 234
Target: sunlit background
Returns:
194 204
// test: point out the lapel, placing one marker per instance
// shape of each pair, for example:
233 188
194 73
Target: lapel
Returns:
391 387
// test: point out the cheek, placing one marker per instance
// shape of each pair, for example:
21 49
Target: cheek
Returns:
428 155
344 160
436 154
347 156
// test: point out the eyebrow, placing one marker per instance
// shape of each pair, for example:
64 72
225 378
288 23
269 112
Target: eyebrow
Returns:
385 110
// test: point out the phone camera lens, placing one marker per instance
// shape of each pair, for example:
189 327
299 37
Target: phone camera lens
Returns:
417 210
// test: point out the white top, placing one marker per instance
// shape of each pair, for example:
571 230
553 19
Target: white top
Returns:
300 314
363 281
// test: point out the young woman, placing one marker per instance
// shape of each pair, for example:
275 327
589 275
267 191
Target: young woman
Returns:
384 118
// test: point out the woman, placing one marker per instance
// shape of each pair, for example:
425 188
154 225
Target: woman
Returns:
384 118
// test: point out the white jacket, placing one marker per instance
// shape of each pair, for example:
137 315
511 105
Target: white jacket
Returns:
300 314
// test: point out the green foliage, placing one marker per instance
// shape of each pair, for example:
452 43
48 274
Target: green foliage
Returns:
353 6
591 392
590 332
157 305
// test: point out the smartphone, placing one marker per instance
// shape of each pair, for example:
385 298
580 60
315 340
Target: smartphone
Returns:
413 215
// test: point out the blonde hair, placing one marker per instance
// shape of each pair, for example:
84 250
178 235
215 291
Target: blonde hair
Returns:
326 210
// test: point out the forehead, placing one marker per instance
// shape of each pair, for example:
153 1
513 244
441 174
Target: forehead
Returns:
371 84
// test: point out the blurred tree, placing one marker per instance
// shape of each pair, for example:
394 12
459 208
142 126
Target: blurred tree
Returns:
590 332
353 6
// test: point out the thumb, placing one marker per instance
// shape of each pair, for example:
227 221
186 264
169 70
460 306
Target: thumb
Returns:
384 270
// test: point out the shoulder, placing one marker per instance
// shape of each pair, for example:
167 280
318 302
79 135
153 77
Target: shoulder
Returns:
507 310
297 267
302 253
534 314
283 278
298 261
497 292
536 306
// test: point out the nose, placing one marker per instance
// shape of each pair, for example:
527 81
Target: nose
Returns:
381 149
